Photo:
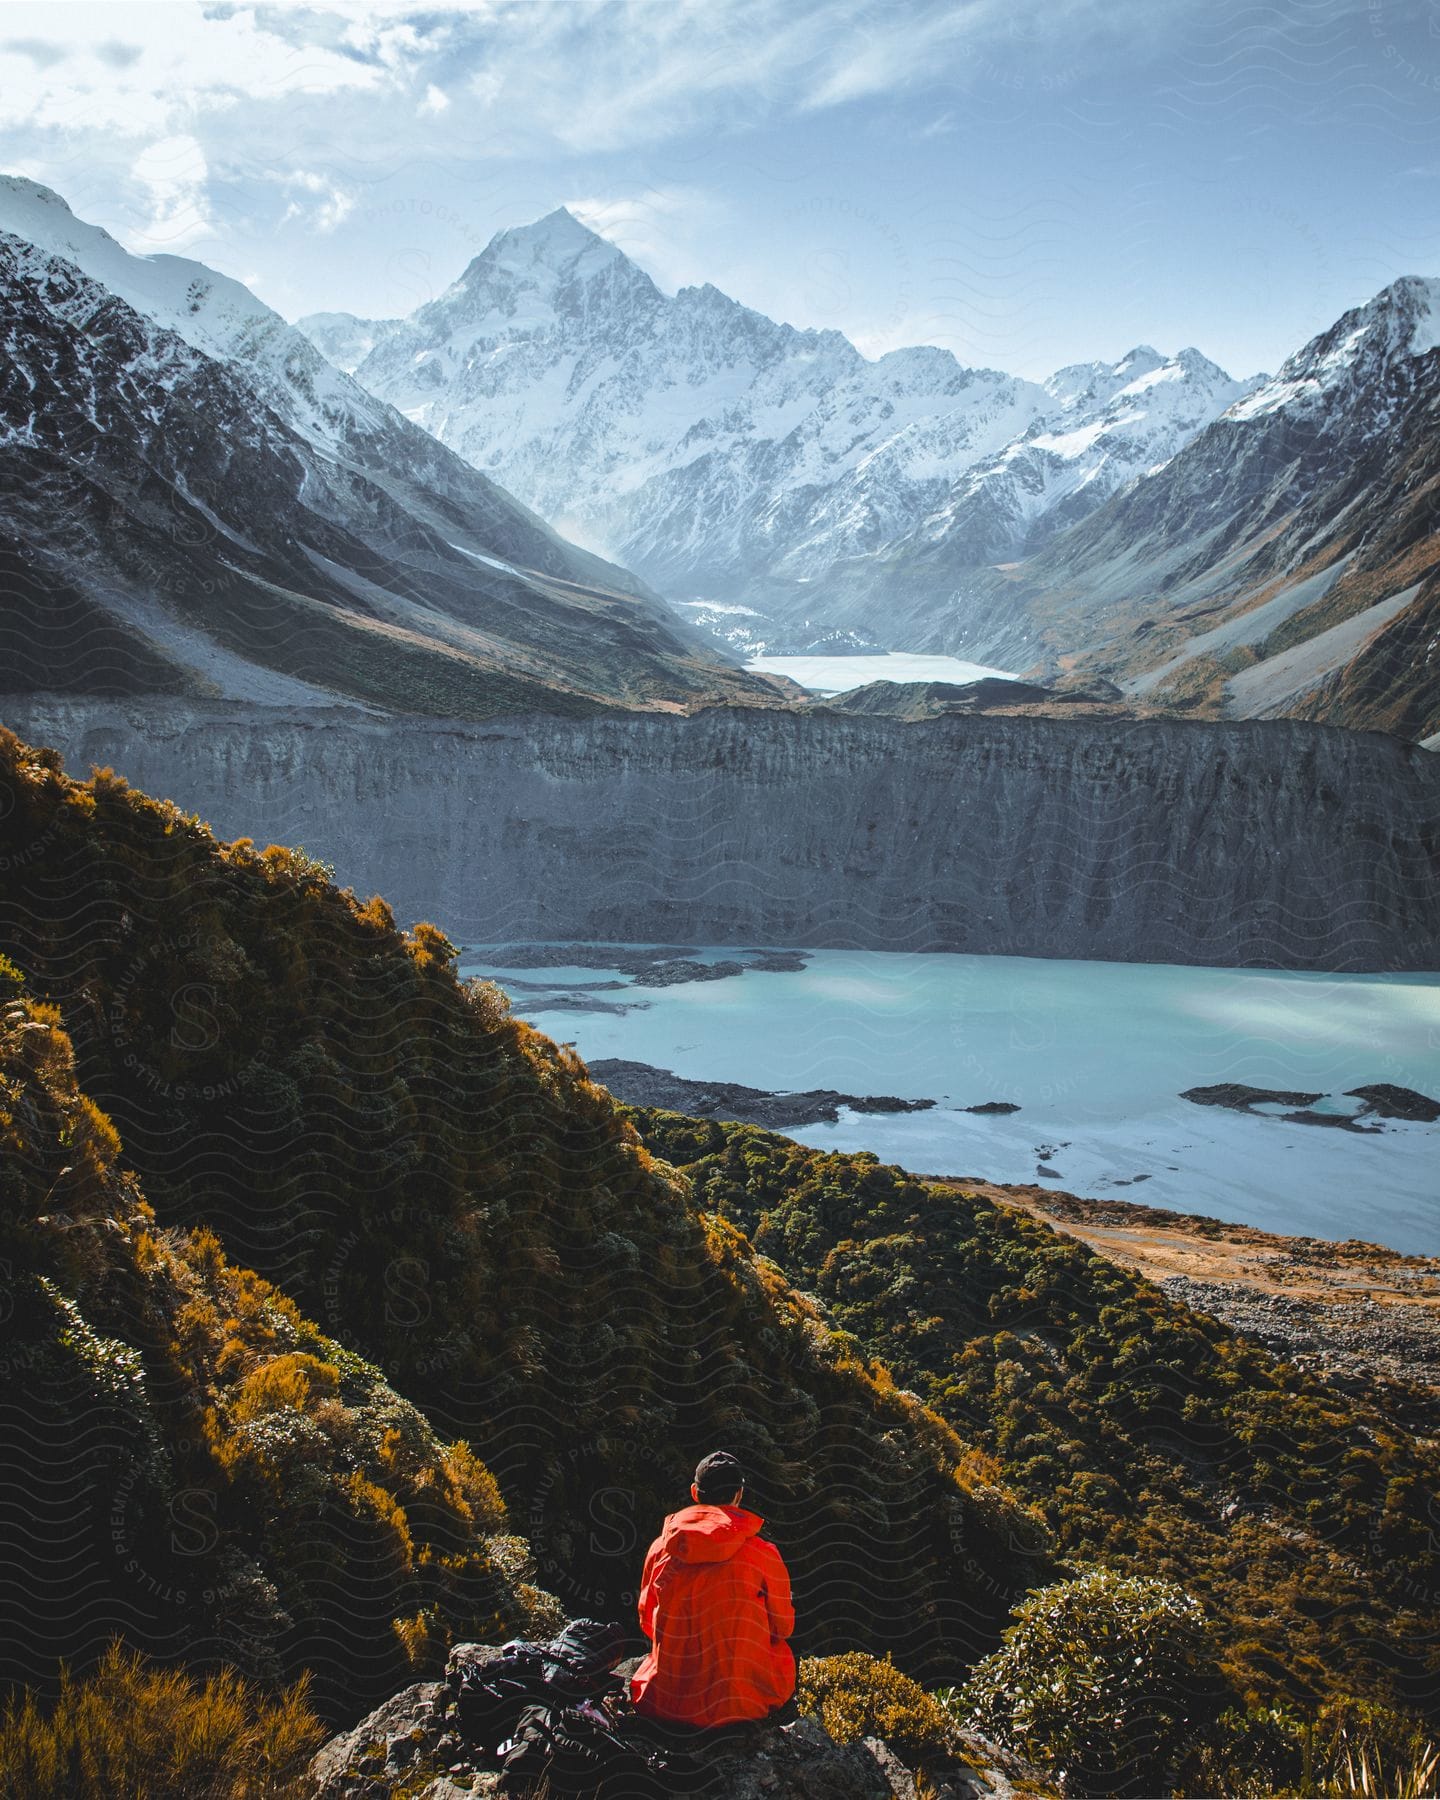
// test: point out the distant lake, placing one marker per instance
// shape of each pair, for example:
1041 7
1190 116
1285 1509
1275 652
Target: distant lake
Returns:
1095 1055
838 674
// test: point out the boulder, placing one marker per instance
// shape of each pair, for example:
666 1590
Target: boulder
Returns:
398 1740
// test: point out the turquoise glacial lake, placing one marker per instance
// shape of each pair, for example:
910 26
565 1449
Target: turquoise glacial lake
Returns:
1095 1055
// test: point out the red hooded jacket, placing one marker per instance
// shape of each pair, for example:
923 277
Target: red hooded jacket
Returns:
715 1603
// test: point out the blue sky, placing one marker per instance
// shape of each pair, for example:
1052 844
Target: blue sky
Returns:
1027 182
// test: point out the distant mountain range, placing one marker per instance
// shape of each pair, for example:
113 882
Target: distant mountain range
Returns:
1282 564
1155 521
729 458
199 503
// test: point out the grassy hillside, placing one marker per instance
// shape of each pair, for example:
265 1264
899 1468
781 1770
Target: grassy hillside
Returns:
187 1459
1152 1438
288 1149
449 1197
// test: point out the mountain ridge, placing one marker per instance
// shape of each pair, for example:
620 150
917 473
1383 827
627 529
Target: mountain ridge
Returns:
721 452
205 503
1283 564
785 493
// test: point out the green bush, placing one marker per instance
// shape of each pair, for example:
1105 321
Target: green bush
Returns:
330 1514
1110 1677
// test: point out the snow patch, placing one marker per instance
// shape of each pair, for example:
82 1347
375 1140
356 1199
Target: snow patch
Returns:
491 562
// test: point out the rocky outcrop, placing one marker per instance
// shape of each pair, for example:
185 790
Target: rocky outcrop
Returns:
640 1084
1379 1100
412 1744
1277 843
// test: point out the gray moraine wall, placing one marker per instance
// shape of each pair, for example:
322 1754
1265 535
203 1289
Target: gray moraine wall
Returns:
1255 842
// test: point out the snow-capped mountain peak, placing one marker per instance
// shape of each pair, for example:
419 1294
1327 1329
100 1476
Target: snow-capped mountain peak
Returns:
1187 369
523 281
211 312
1082 386
1142 360
558 243
1406 315
1196 361
345 340
727 454
1357 353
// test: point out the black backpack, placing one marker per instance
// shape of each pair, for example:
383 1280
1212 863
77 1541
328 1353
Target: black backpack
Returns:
580 1753
571 1668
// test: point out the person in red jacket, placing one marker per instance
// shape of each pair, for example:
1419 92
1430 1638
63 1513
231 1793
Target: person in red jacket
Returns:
715 1604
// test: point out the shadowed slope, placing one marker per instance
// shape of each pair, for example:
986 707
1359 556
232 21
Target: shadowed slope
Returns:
448 1194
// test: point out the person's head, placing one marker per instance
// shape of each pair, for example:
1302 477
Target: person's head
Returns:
719 1480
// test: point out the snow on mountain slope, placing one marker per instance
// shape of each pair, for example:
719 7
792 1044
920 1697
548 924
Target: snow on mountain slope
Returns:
346 341
557 365
725 455
1305 515
1401 323
335 414
168 530
211 312
1112 424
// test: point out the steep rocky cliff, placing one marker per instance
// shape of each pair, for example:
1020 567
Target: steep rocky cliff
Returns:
1277 843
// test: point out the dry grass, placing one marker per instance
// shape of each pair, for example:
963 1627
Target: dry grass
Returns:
135 1731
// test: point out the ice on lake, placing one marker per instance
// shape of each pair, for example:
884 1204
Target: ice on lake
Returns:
839 674
1095 1054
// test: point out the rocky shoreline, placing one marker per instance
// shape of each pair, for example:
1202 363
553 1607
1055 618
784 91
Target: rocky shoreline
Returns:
639 1084
646 966
658 965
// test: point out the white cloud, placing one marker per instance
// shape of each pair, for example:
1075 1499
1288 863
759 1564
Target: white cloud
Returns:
329 204
888 50
631 72
147 70
599 75
173 172
663 228
159 120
